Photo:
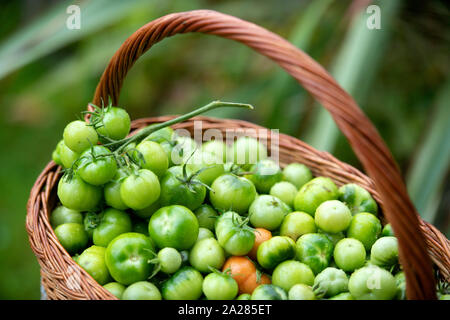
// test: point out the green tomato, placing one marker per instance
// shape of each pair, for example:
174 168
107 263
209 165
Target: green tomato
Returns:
161 135
115 123
330 282
112 223
384 252
217 148
298 174
387 231
285 191
185 284
364 227
206 216
357 199
79 136
206 254
219 286
265 173
176 189
142 290
400 280
147 212
296 224
333 216
314 250
349 254
343 296
92 260
274 251
313 193
206 166
248 150
291 272
244 296
333 237
62 215
78 195
173 226
170 260
268 292
56 154
372 283
140 190
127 257
230 192
267 212
115 288
204 233
72 237
111 192
97 166
150 155
301 291
67 156
233 234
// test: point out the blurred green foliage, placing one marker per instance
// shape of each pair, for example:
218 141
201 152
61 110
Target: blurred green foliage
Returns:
48 75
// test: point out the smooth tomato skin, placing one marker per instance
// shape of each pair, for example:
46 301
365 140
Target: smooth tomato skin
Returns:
261 235
170 260
111 191
141 290
330 282
138 191
387 231
275 250
218 286
173 226
185 284
56 154
113 222
62 215
384 252
301 291
79 136
333 237
269 292
115 288
206 216
147 212
296 224
116 123
365 227
372 283
244 272
265 173
67 156
236 239
127 257
230 192
93 261
343 296
154 157
97 166
291 272
267 212
176 192
204 233
207 253
247 151
244 296
208 163
285 191
313 193
400 280
332 216
298 174
349 254
357 199
314 250
72 237
78 195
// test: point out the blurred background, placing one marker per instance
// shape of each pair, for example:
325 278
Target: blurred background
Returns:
399 75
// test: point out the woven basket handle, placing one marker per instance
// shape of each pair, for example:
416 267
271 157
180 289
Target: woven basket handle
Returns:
362 135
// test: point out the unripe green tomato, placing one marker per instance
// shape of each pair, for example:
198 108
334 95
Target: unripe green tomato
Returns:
265 173
79 136
112 223
333 216
343 296
56 154
296 224
244 296
150 155
217 148
330 282
285 191
111 191
387 231
138 191
218 286
268 292
298 174
364 227
206 216
115 288
349 254
97 166
74 193
72 237
62 215
301 291
267 212
274 251
400 280
141 290
206 165
313 193
291 272
93 261
147 212
372 283
357 199
315 250
204 233
116 123
185 284
170 260
384 252
67 156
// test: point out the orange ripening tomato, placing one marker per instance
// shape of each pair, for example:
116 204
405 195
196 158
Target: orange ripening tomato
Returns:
244 272
261 235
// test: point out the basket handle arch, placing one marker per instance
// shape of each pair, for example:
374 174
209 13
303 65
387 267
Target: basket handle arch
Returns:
357 128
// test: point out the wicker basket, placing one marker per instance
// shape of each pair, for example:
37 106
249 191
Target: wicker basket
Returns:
422 248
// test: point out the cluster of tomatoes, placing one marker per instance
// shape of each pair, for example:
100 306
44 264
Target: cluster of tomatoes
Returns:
212 227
